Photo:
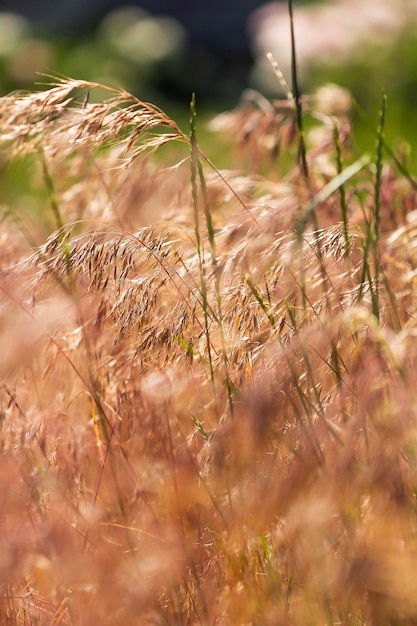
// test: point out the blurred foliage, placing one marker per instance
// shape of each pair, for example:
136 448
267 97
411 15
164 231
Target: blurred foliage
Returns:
116 52
374 68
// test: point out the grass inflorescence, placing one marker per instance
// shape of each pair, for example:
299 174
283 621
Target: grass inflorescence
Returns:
207 378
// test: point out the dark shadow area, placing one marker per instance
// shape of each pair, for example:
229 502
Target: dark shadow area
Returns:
211 55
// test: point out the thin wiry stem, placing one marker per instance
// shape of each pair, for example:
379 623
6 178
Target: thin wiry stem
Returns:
297 97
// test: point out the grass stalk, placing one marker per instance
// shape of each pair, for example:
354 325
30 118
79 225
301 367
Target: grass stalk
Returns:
342 190
371 276
197 171
199 248
297 98
376 222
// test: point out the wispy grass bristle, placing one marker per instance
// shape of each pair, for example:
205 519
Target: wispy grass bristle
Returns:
29 120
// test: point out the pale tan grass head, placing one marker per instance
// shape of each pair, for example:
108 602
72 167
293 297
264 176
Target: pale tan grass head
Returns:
32 120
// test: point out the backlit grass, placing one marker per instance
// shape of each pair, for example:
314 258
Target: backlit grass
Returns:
207 378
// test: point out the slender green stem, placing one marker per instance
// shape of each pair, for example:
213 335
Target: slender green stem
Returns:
342 190
200 252
297 98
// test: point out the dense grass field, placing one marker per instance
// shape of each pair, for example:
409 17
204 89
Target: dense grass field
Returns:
207 377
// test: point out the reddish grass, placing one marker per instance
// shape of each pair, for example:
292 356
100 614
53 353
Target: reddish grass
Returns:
218 436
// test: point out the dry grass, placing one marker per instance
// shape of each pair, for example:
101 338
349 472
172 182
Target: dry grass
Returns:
207 388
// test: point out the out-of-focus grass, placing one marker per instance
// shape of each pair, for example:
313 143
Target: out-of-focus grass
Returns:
207 378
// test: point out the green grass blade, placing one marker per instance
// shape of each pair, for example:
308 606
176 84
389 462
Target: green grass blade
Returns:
327 191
